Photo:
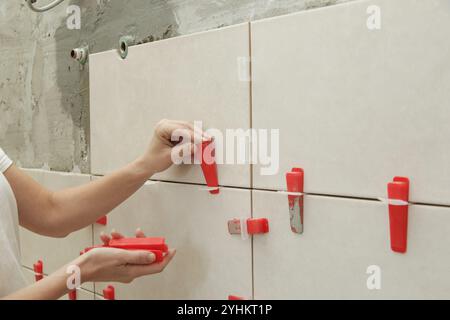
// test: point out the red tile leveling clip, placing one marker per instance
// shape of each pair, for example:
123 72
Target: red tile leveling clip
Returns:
102 220
398 213
295 181
109 293
249 226
73 294
38 268
155 245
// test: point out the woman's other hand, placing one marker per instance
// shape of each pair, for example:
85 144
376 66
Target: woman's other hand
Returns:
117 265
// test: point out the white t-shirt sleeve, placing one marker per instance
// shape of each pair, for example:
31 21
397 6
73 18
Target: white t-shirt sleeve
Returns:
11 275
5 162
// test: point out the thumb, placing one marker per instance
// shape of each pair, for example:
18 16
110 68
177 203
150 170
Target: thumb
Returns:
138 257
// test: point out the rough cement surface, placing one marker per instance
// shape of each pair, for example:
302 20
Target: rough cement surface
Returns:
44 96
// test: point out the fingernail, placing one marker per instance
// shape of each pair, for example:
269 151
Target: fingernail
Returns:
150 257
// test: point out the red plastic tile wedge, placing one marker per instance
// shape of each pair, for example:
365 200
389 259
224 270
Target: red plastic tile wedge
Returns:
209 166
257 226
155 245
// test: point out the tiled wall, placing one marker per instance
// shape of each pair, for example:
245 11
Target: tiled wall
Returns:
190 77
354 107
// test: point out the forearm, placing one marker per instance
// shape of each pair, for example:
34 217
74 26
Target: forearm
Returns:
50 288
55 285
57 214
78 207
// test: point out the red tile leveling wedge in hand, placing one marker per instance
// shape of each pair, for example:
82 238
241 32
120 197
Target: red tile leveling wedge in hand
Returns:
157 246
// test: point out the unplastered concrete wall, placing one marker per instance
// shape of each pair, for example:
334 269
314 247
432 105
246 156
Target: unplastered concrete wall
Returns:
44 95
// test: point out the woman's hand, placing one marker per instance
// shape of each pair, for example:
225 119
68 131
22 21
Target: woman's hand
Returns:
116 265
166 140
101 265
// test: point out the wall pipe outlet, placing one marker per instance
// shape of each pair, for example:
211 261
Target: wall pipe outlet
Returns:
80 54
124 43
